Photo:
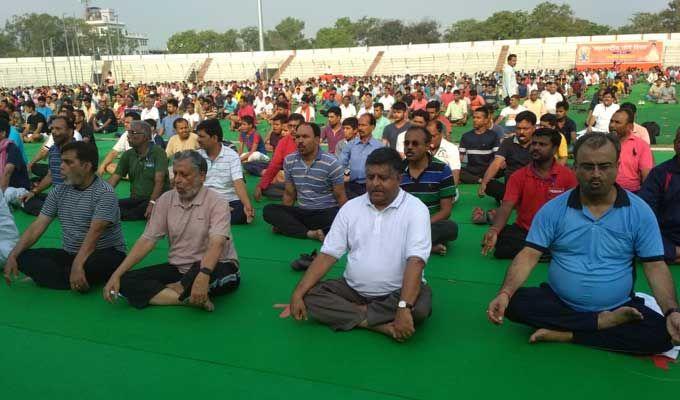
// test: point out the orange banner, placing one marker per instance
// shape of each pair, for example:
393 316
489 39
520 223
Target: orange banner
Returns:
624 55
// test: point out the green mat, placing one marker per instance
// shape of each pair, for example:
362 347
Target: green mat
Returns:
67 345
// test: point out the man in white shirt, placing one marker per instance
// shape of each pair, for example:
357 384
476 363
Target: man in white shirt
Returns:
347 109
150 111
382 288
192 116
510 86
551 97
444 150
509 113
387 100
602 114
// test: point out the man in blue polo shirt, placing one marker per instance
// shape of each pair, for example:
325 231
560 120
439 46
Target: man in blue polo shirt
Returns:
354 154
314 178
594 233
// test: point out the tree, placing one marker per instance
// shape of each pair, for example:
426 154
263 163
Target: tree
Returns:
425 31
340 35
250 36
465 30
288 34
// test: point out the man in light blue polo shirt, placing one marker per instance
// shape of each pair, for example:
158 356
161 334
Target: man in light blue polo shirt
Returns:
354 154
314 178
594 233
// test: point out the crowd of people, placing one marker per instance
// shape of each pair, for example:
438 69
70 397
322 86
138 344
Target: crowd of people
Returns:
377 183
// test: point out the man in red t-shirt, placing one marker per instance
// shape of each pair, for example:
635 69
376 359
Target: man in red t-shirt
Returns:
272 182
527 190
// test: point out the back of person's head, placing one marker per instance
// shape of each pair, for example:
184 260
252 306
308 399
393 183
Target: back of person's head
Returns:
211 127
4 115
351 122
296 117
151 122
335 110
526 116
563 105
554 135
385 156
596 140
399 106
85 153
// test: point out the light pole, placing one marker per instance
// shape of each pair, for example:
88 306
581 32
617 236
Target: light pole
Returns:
47 74
259 18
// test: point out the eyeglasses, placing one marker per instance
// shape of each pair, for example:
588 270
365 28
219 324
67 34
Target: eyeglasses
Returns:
135 133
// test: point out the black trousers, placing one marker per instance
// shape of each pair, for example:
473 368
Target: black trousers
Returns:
495 189
296 221
444 231
274 191
132 209
467 177
540 307
51 268
354 189
35 204
238 214
40 170
141 285
255 168
510 242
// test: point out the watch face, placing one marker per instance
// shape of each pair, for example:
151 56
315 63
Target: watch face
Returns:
402 304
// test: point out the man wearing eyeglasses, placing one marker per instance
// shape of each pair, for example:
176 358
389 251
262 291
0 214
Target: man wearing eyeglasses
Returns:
594 233
146 165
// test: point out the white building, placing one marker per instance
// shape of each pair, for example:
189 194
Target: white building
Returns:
105 21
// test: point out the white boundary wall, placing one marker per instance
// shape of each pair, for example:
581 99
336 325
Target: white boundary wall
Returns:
435 58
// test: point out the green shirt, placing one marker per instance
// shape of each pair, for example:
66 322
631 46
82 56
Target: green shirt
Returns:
141 170
380 125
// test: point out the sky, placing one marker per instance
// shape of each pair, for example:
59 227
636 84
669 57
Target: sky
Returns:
179 15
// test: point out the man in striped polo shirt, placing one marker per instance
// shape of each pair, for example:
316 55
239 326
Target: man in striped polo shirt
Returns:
315 179
62 133
87 209
431 181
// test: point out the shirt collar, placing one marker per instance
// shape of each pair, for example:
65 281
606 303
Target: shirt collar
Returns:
622 199
197 201
396 203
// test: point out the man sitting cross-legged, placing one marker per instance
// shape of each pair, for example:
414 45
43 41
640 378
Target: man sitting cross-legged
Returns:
661 191
527 190
387 234
225 175
315 179
147 167
431 181
202 260
87 209
594 233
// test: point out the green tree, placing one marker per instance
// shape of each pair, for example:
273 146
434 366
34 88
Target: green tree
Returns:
288 34
250 36
340 35
425 31
465 30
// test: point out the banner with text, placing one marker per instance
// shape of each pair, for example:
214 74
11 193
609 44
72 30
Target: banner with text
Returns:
622 55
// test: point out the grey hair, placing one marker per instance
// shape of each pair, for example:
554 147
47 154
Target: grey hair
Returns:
196 159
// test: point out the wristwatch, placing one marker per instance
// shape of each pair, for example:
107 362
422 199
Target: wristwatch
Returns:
404 304
671 311
206 271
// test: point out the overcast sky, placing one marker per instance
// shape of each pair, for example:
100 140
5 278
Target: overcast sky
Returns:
178 15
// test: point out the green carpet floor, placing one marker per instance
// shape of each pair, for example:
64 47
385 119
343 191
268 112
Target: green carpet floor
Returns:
67 345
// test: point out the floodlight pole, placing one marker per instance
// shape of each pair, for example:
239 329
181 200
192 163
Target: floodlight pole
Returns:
259 17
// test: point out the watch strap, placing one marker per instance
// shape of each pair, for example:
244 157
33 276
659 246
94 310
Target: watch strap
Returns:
206 271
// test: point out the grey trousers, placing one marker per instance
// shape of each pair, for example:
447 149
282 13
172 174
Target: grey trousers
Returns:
334 303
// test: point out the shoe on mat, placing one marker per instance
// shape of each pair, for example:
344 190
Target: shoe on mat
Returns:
302 263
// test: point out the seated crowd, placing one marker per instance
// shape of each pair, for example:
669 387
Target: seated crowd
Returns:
377 185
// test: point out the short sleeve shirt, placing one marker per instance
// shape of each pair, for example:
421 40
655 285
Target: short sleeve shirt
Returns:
591 269
515 155
19 177
222 172
314 183
142 169
479 150
432 185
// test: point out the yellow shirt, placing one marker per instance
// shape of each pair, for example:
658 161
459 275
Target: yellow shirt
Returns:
535 107
175 144
563 150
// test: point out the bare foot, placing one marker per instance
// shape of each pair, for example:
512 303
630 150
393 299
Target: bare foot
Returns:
547 335
620 316
385 329
439 249
317 235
